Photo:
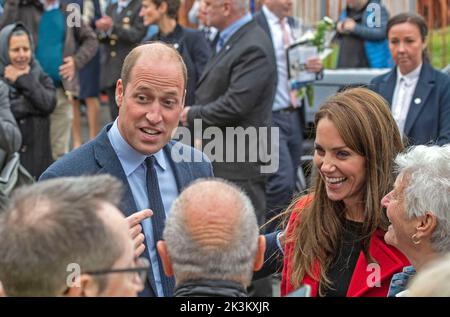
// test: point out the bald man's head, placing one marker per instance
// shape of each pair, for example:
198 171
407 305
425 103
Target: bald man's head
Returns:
212 233
212 223
155 51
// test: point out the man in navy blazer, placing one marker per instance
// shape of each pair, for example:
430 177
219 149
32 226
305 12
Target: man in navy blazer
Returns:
428 119
150 96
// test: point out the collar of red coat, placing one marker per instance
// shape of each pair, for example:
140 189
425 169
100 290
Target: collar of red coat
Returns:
366 277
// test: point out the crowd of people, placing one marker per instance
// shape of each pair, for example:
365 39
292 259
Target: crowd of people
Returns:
134 211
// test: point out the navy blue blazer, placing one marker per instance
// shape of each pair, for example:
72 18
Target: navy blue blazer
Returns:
99 157
428 119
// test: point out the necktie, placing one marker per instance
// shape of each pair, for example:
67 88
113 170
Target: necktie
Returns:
287 42
158 218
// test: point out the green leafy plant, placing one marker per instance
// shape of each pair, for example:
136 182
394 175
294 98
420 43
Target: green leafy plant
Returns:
323 26
318 40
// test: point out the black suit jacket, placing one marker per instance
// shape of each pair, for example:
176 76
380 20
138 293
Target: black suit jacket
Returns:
237 89
127 32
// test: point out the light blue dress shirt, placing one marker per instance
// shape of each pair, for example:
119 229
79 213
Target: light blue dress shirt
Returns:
133 164
226 34
122 5
282 95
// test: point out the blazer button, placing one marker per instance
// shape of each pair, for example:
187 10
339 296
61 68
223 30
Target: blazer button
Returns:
113 54
112 42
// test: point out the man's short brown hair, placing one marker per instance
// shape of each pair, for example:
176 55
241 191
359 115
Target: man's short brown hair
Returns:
149 48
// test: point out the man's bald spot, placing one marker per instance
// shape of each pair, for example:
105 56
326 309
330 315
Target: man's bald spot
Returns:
211 213
155 51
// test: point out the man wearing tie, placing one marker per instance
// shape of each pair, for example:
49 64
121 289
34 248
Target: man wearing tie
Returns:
136 148
287 112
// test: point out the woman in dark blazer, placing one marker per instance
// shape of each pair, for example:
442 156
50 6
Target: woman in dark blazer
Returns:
418 94
31 95
191 44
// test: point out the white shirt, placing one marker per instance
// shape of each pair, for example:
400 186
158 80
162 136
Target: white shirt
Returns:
282 96
403 94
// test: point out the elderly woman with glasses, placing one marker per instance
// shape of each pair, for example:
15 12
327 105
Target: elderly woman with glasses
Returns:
418 209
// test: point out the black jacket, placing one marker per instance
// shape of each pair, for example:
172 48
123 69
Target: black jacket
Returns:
195 50
33 99
127 32
210 288
237 90
10 137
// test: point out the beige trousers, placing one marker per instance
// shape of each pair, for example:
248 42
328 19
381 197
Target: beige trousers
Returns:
61 125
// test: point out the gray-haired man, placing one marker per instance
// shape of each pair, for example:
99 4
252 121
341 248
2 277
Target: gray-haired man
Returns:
64 237
211 241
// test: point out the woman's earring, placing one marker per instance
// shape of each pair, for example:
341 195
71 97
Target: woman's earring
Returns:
414 239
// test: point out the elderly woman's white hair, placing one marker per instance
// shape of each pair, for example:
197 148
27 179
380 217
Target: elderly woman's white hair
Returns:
427 169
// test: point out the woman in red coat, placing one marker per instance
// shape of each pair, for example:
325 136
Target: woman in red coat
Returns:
334 239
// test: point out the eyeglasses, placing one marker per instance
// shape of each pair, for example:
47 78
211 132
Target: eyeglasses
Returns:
140 269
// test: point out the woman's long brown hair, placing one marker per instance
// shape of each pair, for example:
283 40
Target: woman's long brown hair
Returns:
366 125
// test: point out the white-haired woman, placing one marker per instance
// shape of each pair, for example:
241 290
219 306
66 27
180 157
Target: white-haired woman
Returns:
419 209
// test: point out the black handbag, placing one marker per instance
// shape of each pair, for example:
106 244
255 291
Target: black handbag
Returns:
12 176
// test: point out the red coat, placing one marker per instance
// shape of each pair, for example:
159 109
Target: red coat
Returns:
389 259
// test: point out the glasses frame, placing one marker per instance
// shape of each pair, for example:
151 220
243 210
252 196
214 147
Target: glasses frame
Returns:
144 266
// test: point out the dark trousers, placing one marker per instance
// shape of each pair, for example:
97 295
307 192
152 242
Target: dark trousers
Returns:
281 185
255 189
113 109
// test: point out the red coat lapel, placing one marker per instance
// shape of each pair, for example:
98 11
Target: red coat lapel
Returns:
389 261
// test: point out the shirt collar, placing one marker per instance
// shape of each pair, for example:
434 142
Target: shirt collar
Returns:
233 28
128 156
123 3
53 6
271 17
411 76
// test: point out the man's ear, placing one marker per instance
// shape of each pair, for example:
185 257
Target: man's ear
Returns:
164 255
259 259
119 92
227 8
426 225
88 287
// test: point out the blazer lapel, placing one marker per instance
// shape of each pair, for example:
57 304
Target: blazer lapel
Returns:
183 174
107 158
387 86
364 275
264 24
423 89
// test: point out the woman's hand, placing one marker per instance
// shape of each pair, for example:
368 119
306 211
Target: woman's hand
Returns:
12 73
